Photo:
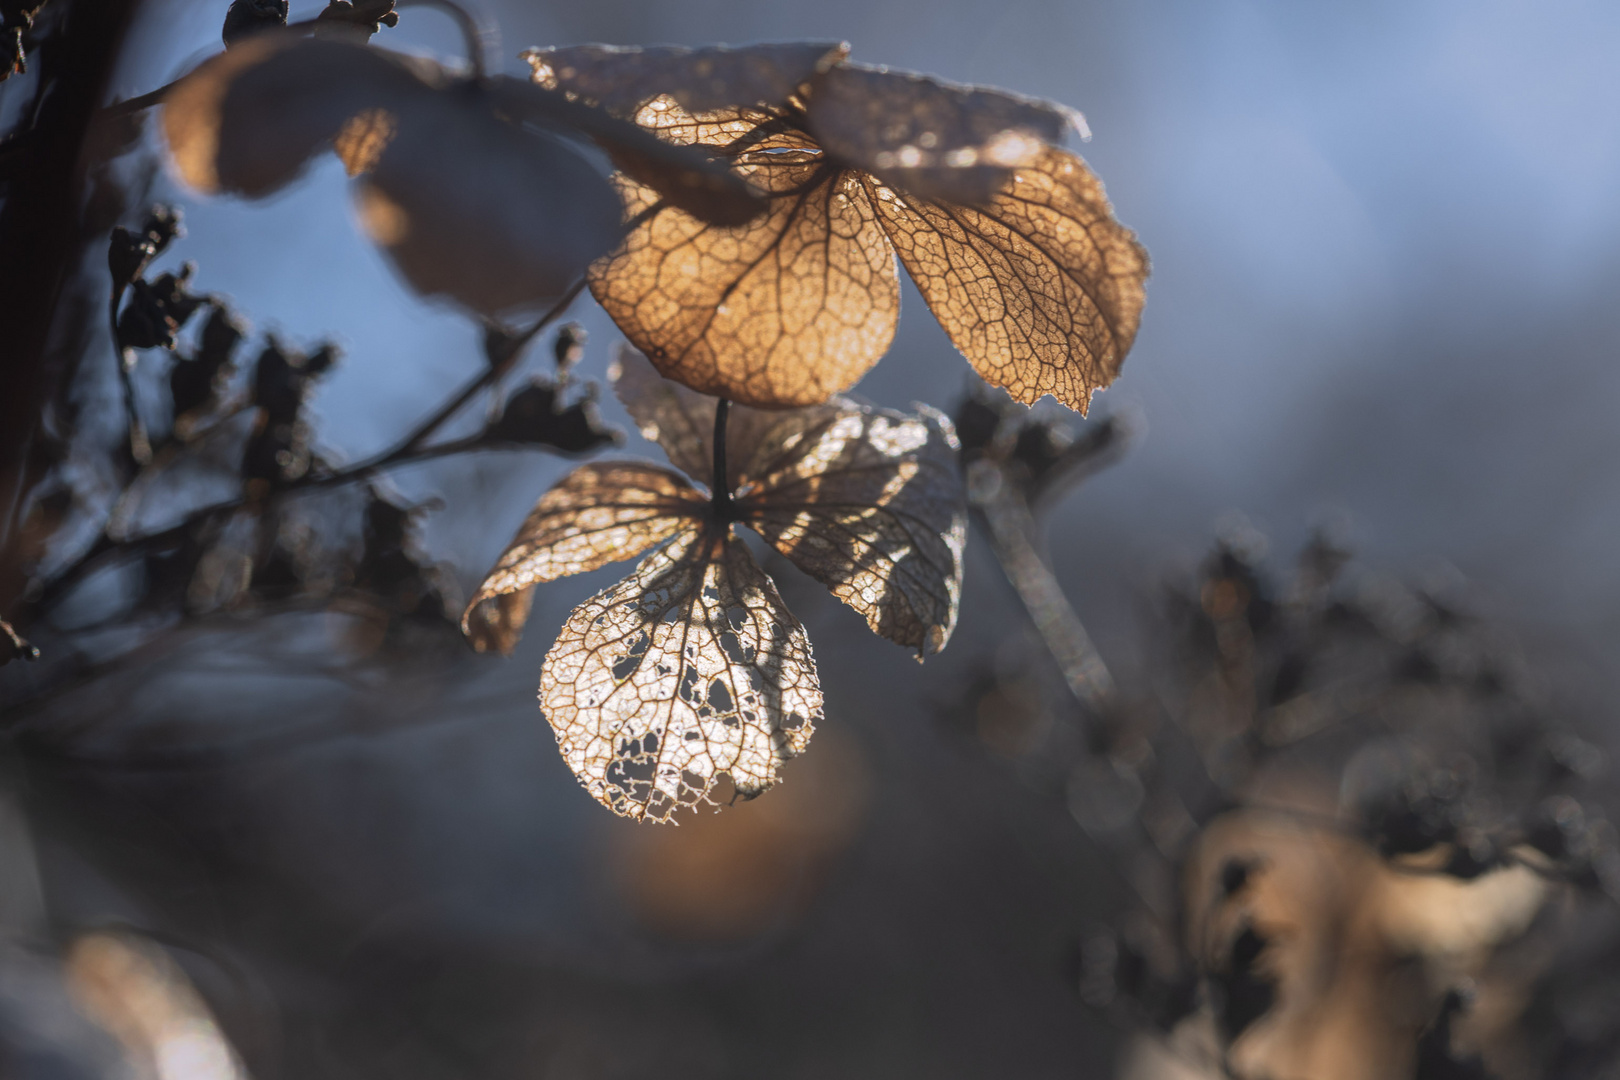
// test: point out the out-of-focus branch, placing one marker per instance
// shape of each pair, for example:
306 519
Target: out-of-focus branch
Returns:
41 236
1015 535
502 349
1018 463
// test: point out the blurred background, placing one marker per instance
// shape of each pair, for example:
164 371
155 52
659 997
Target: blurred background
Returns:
1384 243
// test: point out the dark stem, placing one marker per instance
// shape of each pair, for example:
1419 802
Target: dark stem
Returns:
721 489
509 346
142 101
479 38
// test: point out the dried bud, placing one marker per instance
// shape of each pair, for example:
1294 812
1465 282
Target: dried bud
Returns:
157 310
250 17
569 348
533 416
367 16
193 379
131 250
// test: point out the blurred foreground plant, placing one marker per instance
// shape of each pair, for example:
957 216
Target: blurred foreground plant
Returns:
1362 842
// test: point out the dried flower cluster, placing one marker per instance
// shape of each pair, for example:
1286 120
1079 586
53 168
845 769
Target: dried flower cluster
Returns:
692 667
748 244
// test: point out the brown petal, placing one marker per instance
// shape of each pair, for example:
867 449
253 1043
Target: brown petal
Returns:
599 513
870 503
1041 289
496 622
621 78
931 139
689 669
682 420
785 311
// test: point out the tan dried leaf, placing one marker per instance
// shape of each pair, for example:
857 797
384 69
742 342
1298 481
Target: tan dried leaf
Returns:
466 204
784 311
1042 289
496 622
599 513
1010 239
688 669
622 79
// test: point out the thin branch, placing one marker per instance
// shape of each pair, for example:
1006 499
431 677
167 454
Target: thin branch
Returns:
721 492
135 104
479 36
1015 537
502 351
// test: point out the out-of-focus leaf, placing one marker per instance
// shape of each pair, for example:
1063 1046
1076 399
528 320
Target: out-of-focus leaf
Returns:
1010 239
690 668
393 567
247 121
279 451
931 139
622 79
466 204
784 311
480 211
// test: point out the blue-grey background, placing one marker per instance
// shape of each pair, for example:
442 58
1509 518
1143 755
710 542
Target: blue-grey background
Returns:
1384 240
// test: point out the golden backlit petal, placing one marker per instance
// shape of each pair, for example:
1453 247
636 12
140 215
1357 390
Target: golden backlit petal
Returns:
688 670
870 503
785 311
248 120
599 513
1041 289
